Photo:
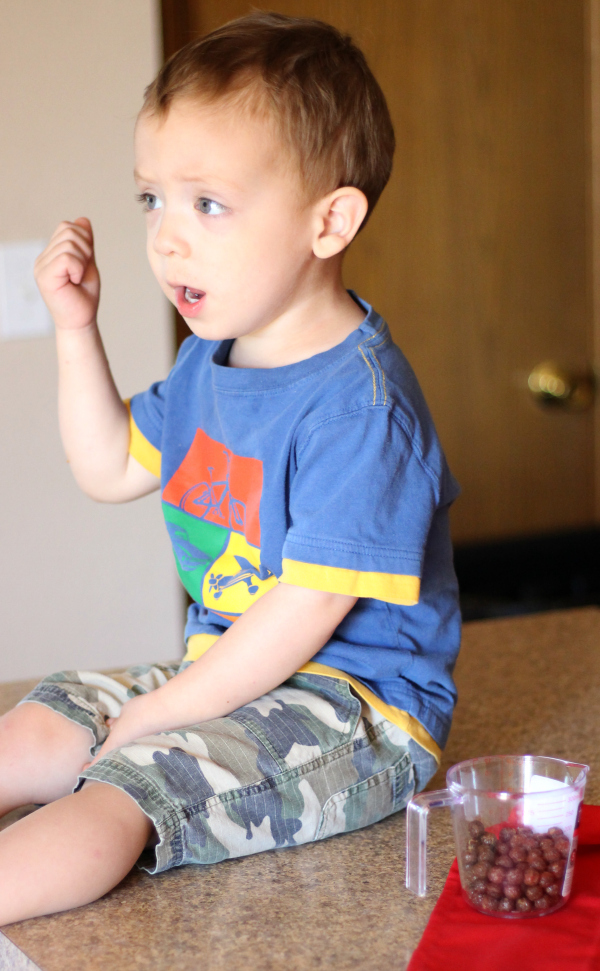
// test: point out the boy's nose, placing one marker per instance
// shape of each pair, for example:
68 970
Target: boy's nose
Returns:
170 238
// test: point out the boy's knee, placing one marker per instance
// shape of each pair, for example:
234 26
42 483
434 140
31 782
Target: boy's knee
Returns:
32 724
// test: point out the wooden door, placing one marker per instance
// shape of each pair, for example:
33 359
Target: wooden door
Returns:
479 251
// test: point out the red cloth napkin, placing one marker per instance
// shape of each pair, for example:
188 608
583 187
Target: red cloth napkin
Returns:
458 938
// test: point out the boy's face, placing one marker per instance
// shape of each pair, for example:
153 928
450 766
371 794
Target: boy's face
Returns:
229 237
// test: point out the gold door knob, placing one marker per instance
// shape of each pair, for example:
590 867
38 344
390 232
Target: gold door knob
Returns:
555 386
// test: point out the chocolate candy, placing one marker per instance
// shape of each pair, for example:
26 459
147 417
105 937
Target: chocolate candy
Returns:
529 843
488 903
557 868
476 828
516 871
523 904
488 839
534 893
512 892
535 861
505 905
514 877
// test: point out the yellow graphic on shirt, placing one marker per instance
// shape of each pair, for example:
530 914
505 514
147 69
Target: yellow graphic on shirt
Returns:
234 580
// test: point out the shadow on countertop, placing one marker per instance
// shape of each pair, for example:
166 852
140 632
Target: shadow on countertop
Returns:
507 578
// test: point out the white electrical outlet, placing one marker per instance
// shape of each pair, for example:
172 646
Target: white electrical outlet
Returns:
23 313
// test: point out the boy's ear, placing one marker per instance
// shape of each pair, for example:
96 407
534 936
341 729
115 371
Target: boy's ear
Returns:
338 218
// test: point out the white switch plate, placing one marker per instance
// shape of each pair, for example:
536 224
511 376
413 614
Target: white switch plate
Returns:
23 313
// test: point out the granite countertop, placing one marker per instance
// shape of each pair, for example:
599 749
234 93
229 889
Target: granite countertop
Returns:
528 684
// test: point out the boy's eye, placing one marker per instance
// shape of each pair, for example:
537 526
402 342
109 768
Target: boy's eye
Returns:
209 207
149 201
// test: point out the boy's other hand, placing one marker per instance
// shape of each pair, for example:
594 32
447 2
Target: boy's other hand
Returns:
67 276
140 716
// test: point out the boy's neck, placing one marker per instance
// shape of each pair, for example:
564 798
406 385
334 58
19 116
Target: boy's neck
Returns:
315 322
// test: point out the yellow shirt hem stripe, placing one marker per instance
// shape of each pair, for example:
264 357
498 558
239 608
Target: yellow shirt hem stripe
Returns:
199 644
402 719
391 587
142 450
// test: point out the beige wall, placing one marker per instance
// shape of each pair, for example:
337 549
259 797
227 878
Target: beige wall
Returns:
82 585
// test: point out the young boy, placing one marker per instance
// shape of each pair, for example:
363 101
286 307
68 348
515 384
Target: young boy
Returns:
303 488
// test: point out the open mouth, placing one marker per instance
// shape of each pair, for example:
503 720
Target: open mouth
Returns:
189 301
192 296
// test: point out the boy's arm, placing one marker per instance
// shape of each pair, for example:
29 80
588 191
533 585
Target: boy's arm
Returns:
94 422
264 647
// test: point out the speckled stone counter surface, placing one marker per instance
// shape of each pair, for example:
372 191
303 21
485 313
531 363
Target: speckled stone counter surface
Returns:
528 684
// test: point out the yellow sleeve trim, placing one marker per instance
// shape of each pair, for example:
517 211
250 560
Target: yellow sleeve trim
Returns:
198 644
142 450
402 719
391 587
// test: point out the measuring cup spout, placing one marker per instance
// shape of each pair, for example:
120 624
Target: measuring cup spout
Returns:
583 770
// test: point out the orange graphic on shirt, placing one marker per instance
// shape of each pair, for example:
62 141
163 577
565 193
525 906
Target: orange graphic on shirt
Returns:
219 487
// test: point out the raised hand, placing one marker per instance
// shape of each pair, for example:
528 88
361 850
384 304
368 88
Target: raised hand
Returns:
67 276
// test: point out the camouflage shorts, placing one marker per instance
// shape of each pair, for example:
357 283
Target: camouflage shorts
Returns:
307 760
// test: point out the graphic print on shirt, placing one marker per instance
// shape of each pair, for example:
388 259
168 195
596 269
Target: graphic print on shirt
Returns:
211 507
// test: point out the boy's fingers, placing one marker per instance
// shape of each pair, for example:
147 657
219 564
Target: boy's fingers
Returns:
66 247
83 226
62 268
71 230
85 223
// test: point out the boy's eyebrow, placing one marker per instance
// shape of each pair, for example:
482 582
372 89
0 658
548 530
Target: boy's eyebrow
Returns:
205 180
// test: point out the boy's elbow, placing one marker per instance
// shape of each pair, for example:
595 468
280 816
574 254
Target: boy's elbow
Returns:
122 485
99 490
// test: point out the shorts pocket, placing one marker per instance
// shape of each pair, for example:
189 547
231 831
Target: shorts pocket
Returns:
368 801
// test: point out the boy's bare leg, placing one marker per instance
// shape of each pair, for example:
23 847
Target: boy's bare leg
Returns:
41 755
69 852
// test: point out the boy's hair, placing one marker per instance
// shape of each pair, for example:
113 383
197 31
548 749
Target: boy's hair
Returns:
308 78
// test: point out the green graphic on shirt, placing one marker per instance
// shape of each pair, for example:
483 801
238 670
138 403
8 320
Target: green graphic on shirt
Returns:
196 544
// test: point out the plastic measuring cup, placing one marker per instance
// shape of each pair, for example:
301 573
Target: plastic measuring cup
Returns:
515 821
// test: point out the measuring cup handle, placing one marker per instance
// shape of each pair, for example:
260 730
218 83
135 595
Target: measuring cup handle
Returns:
416 835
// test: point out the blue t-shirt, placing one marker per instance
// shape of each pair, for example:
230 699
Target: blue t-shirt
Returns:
327 474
